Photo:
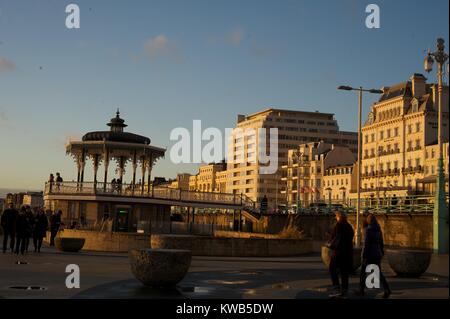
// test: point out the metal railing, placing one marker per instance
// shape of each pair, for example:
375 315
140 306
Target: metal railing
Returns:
143 191
414 204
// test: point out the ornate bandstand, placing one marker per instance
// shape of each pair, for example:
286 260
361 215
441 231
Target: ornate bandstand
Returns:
117 146
127 207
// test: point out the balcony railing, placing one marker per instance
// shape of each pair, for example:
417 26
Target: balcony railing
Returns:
156 192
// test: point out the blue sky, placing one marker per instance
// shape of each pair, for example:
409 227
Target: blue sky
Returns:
166 63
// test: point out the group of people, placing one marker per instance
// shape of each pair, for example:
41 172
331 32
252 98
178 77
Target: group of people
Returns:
52 180
341 263
19 226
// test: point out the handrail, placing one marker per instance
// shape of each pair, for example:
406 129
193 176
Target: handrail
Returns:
139 190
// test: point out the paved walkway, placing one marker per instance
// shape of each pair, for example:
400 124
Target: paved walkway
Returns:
108 275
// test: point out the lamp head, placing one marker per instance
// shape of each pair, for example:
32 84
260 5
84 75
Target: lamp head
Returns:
428 64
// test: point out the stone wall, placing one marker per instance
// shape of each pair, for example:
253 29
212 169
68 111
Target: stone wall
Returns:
108 241
233 247
399 230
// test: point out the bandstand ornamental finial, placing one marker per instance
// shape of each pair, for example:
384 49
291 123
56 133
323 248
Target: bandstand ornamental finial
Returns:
117 124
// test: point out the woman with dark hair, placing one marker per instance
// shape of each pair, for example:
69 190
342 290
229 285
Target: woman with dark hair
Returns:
372 253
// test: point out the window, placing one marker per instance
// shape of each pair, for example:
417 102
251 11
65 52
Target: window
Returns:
381 135
372 137
409 163
395 164
366 138
409 128
388 133
409 145
417 162
396 131
418 127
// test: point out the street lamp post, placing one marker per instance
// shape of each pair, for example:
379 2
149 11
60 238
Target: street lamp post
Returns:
358 183
440 212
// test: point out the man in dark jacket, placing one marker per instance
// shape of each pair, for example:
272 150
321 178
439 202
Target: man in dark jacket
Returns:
40 224
55 223
8 222
30 219
341 242
22 230
372 253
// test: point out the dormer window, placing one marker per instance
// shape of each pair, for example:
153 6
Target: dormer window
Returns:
415 105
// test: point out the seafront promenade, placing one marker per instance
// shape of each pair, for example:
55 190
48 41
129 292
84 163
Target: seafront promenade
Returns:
108 275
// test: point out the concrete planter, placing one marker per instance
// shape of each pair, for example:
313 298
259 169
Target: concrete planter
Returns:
69 244
160 267
327 252
408 262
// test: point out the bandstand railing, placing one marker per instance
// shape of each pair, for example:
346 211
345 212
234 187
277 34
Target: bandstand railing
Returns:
143 191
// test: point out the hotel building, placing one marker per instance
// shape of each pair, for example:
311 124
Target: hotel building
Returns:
294 128
399 146
210 178
316 172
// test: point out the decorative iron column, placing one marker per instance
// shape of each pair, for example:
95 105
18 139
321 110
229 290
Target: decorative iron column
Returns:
106 164
134 164
143 168
149 175
96 162
440 211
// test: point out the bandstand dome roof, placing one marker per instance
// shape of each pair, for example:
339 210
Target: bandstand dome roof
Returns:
116 133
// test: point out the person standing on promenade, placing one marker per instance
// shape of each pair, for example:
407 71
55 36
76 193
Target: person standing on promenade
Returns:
40 229
8 222
22 229
51 181
59 180
341 244
55 224
29 231
372 253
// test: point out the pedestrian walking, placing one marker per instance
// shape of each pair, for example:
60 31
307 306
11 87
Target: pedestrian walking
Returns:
341 263
372 253
264 205
39 230
55 224
22 228
8 222
29 231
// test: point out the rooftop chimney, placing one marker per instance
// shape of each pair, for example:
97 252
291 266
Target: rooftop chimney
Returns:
418 85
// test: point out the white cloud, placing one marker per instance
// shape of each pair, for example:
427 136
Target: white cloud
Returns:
6 65
161 47
236 36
